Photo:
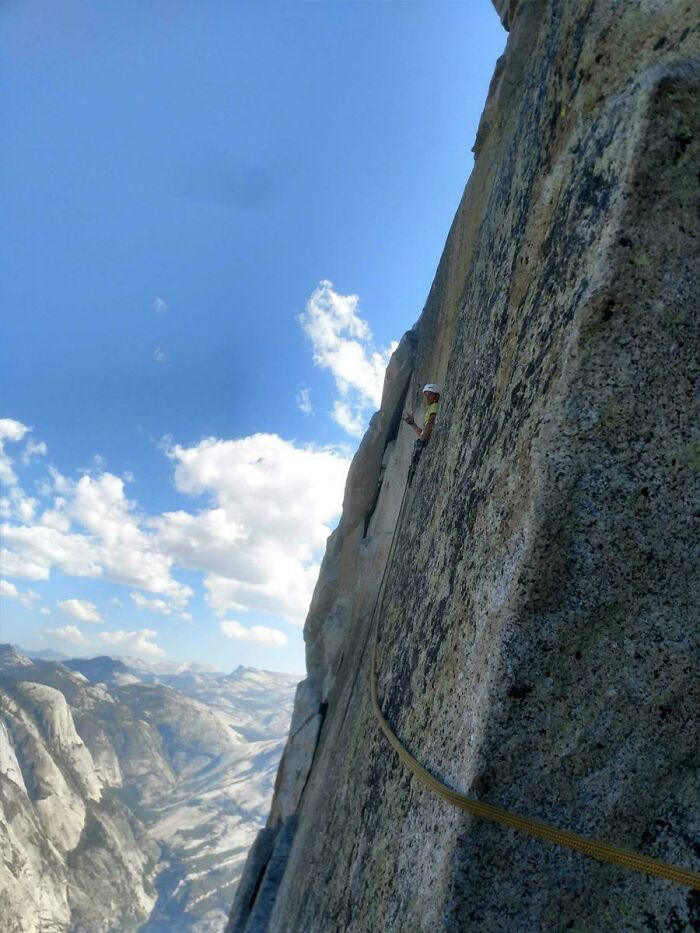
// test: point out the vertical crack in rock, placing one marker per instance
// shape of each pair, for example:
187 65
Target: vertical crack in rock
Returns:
539 634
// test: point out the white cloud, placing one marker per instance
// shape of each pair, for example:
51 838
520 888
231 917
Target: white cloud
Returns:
258 542
304 401
350 419
159 355
60 483
110 544
17 504
273 506
17 564
8 589
80 609
26 507
116 602
33 449
212 540
45 611
56 517
268 485
69 633
342 343
159 306
255 635
32 550
139 643
287 591
155 605
27 599
13 431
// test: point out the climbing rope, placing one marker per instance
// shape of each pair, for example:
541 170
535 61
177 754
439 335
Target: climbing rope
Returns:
562 837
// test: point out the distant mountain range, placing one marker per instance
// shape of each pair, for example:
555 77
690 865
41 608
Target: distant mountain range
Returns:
46 654
130 793
153 667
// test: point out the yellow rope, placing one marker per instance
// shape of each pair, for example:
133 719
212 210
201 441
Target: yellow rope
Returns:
562 837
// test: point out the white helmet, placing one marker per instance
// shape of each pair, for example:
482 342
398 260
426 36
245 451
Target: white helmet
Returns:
432 387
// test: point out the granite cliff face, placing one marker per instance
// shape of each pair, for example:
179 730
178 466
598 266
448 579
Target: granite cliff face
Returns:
539 639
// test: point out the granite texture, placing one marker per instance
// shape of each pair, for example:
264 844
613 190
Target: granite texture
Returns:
539 643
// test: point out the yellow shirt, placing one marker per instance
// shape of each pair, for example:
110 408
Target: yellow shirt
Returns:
430 410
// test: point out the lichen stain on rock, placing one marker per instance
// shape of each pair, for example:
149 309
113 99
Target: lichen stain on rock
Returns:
538 639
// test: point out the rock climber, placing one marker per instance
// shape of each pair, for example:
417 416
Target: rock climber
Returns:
431 394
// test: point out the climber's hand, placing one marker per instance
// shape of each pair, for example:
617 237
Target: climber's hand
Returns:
408 418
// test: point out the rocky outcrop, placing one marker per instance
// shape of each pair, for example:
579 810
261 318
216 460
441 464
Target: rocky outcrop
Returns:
539 633
128 804
74 859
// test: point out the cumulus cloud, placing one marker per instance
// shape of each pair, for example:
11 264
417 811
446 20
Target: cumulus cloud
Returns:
212 540
155 605
258 541
81 609
17 564
304 401
139 642
128 554
32 550
159 306
286 590
273 504
159 355
55 516
8 589
33 449
25 507
27 598
69 633
60 483
13 431
255 635
350 419
17 504
342 343
112 544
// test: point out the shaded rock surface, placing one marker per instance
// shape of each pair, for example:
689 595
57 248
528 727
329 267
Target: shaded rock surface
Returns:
539 640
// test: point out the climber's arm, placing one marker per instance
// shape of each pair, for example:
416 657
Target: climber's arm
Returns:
408 418
428 429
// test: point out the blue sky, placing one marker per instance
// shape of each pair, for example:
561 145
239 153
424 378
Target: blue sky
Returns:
217 219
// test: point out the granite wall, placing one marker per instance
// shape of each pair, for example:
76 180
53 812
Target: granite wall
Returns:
539 643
